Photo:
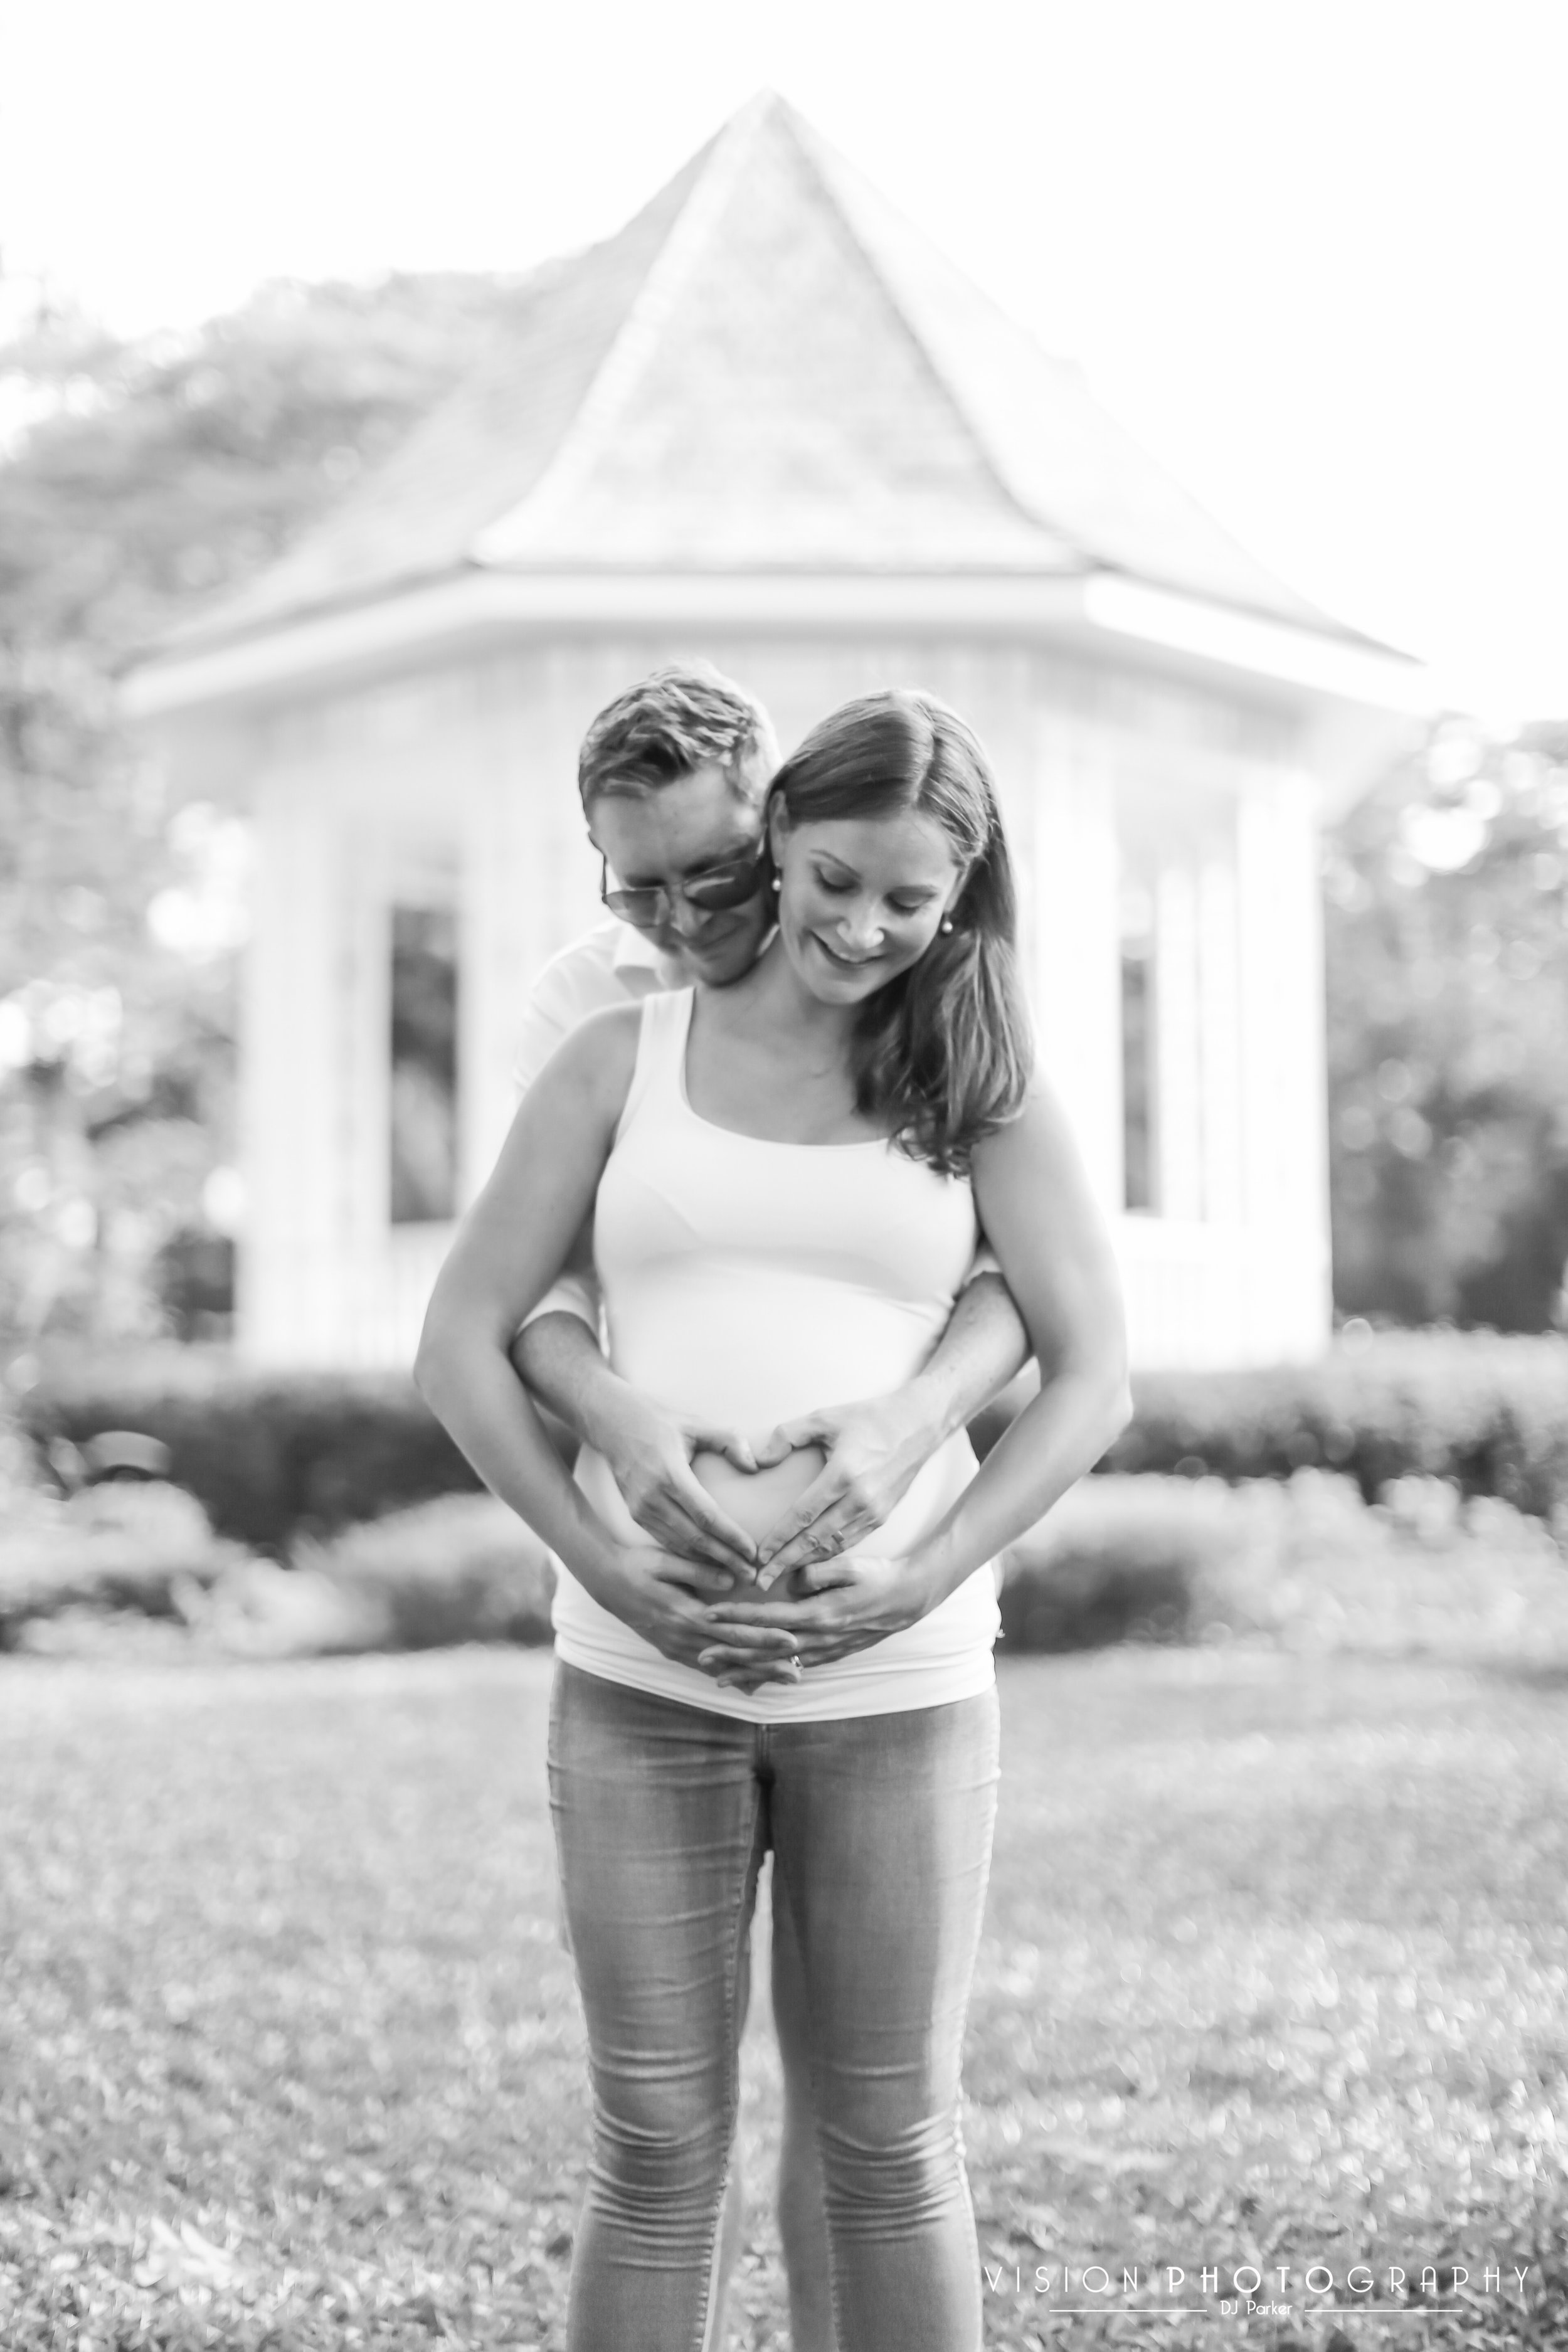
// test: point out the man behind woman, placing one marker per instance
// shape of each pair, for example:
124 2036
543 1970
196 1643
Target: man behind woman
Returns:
674 776
788 1175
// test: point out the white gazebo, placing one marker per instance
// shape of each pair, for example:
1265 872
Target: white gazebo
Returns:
768 424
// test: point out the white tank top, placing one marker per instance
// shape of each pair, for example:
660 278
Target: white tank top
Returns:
749 1282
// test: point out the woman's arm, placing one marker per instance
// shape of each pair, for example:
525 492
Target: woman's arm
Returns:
1055 1251
1054 1247
509 1248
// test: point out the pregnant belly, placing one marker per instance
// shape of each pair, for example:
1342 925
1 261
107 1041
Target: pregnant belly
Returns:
757 1499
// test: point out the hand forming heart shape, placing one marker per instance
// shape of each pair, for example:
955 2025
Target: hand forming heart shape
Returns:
758 1500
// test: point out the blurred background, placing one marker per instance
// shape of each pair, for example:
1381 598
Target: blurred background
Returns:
1179 392
1306 263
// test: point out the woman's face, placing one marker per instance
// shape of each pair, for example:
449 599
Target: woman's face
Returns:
860 899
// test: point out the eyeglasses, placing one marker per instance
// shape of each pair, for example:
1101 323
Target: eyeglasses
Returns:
729 884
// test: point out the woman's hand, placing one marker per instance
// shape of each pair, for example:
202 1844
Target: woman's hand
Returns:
878 1446
648 1451
665 1600
876 1449
829 1610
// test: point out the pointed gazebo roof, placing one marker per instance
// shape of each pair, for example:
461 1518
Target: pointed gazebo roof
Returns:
766 371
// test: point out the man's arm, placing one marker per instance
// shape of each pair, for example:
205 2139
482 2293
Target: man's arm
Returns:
649 1449
573 1298
878 1446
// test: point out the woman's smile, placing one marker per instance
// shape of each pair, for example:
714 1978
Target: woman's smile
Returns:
847 962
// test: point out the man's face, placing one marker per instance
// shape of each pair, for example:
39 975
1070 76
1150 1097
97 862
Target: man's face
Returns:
672 834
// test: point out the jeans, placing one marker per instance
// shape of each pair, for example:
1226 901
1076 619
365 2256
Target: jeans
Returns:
880 1829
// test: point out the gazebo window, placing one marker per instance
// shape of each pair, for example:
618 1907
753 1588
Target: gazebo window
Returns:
424 1077
1139 1158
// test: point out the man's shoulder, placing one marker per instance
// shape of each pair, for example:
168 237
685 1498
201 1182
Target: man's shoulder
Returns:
584 973
604 1041
593 974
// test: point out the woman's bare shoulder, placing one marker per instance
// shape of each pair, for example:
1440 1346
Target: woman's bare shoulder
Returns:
1030 1180
571 1110
1039 1129
597 1059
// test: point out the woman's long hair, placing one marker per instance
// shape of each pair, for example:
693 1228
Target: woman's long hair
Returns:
942 1053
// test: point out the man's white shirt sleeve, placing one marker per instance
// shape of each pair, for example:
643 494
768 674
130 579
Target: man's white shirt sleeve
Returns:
560 998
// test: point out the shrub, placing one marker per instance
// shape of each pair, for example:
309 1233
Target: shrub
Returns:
1487 1413
1484 1412
1413 1575
1123 1558
269 1455
1302 1564
145 1548
275 1456
463 1569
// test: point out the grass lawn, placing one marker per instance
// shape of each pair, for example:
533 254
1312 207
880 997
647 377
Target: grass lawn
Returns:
1276 1972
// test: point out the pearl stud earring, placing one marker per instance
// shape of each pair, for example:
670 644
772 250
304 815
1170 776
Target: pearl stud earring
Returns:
946 926
775 883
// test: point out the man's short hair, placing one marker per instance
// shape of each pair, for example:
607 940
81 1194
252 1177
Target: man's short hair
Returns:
680 719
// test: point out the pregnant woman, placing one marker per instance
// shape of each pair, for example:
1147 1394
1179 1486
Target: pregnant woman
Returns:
788 1178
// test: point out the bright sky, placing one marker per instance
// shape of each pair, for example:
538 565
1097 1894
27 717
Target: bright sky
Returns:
1312 252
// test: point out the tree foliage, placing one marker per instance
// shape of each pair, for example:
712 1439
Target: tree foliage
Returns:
1448 959
139 479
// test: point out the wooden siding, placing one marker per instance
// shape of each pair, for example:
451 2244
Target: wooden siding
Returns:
460 785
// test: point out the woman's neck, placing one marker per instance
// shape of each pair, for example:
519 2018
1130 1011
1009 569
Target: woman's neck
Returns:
777 1000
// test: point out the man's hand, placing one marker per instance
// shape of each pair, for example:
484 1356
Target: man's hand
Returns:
876 1449
648 1450
830 1612
649 1456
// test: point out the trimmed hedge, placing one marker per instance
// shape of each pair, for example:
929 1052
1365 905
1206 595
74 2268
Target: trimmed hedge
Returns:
1486 1412
269 1455
275 1455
